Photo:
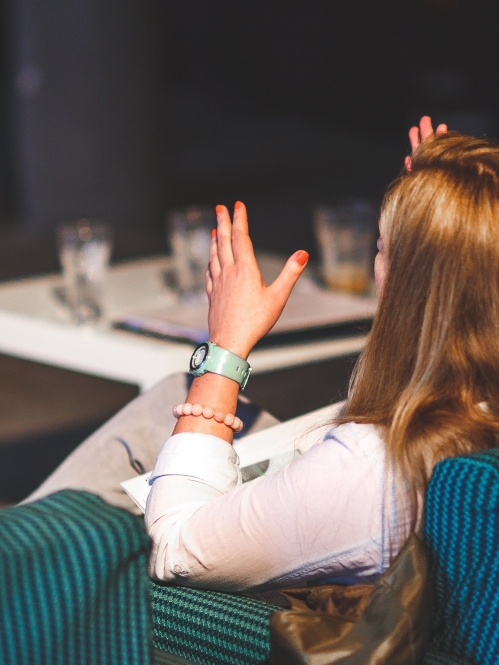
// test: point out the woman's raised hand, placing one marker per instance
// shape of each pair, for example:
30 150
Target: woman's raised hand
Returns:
418 135
242 307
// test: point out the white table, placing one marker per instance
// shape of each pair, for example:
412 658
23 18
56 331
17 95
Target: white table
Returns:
34 326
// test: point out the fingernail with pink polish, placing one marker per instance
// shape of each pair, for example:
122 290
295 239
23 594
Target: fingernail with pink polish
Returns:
219 209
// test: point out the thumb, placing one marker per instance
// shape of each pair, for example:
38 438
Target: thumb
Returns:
288 276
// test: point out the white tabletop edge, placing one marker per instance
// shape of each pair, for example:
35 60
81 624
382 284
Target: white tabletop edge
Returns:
33 327
91 351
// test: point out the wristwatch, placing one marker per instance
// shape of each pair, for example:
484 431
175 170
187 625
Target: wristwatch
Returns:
208 357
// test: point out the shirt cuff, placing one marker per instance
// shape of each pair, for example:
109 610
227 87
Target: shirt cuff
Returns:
203 457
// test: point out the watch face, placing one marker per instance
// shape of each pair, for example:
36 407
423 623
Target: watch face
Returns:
199 356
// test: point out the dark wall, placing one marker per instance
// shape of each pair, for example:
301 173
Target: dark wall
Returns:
372 63
87 111
317 58
124 109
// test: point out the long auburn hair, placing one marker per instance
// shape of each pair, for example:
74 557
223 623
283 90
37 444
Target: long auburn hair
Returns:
429 374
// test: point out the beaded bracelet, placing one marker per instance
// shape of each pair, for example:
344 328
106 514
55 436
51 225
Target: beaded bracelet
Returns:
228 419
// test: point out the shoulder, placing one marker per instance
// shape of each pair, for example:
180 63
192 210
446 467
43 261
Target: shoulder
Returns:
358 432
360 440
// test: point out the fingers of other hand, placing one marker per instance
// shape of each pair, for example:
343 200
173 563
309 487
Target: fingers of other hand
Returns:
424 132
425 128
224 236
421 133
288 276
414 138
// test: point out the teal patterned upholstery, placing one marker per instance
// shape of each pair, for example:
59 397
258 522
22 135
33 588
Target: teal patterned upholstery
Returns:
73 584
462 533
210 627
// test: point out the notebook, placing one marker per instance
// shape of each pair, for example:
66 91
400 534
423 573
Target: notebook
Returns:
311 313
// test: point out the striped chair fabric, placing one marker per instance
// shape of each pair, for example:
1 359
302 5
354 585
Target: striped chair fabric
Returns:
462 533
73 584
210 627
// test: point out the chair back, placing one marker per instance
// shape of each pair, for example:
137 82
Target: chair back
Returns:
461 530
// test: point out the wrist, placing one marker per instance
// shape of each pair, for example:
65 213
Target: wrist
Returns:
240 349
211 357
217 392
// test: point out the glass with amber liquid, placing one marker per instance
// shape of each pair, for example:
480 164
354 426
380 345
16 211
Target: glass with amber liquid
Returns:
345 236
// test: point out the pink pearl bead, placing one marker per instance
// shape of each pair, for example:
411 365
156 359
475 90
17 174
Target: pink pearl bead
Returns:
219 416
197 410
208 412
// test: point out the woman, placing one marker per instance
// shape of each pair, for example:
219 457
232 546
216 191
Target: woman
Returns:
426 387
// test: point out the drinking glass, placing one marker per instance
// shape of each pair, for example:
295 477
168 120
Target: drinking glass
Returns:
84 252
345 237
189 233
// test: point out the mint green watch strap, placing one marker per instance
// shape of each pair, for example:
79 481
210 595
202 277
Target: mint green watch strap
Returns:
208 357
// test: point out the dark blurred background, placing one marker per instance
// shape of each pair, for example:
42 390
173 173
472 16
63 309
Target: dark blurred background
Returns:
122 110
125 109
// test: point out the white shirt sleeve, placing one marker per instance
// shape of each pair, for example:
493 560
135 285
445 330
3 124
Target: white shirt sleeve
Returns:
321 516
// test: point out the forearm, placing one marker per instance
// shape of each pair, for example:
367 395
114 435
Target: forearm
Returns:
217 392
